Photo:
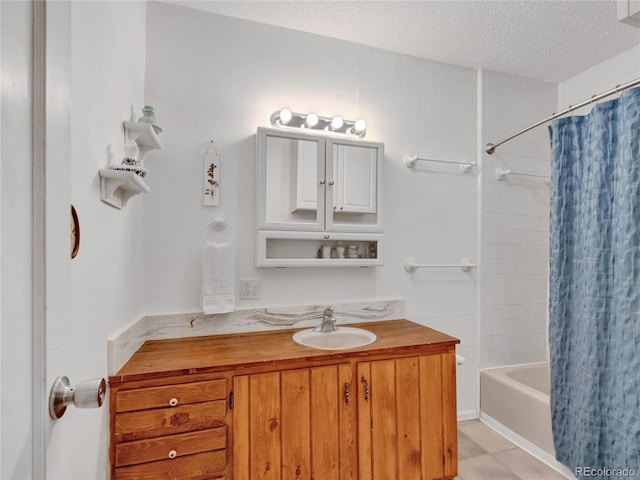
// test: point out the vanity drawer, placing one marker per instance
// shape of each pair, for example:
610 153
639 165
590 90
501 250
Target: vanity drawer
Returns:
170 447
166 421
201 466
171 395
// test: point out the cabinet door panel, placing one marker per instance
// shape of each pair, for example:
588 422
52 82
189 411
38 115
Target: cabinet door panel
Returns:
241 428
290 181
347 424
383 420
449 414
409 415
324 422
264 424
355 171
365 449
407 422
430 422
296 425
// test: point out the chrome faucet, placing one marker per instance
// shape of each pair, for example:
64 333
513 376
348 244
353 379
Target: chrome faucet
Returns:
328 321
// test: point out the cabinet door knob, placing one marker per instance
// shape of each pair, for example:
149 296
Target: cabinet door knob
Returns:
173 454
322 181
326 237
173 402
347 393
341 208
331 182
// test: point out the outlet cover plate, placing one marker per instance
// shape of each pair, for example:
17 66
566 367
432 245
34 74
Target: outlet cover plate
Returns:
250 289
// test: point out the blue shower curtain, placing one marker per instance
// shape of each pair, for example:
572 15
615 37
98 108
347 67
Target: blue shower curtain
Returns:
594 304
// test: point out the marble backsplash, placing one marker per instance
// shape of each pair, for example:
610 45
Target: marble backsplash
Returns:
122 345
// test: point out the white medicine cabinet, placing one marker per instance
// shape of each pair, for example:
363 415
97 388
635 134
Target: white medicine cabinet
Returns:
319 200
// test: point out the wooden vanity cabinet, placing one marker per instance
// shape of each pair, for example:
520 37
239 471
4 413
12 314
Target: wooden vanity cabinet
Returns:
259 407
389 419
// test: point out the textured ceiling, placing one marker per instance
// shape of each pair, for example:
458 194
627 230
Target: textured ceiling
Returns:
549 40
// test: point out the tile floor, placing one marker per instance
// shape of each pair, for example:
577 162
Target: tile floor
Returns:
483 454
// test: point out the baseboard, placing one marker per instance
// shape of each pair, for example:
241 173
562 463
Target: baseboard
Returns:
466 415
527 446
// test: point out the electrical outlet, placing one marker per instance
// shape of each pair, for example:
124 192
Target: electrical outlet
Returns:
250 289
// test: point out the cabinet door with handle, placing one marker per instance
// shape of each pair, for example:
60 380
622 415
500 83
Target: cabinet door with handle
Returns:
282 420
407 418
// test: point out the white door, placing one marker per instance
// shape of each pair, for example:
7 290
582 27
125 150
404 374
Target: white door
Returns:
35 294
59 449
15 244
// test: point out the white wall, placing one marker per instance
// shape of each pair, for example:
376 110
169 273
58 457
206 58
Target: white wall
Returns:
618 70
107 78
227 76
514 239
224 78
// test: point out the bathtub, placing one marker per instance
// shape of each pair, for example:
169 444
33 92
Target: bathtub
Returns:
517 397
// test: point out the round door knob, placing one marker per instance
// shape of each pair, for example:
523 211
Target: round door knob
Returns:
173 402
87 394
173 454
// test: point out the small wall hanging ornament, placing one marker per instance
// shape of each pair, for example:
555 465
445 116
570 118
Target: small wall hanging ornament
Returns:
211 169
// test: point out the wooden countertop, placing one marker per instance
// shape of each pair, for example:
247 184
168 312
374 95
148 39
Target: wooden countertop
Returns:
160 358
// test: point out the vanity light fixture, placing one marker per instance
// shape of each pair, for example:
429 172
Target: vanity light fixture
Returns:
359 128
312 121
336 124
283 117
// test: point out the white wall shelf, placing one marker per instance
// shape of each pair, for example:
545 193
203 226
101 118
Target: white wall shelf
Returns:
118 186
300 249
144 135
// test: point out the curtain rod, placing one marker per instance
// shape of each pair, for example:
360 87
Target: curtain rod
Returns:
490 147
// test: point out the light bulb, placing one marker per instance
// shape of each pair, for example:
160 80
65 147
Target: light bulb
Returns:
336 123
285 116
311 120
360 126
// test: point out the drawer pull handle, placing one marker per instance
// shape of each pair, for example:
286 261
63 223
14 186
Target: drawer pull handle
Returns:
173 454
173 402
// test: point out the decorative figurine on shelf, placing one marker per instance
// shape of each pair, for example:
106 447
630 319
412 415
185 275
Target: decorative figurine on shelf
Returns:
131 152
130 162
149 116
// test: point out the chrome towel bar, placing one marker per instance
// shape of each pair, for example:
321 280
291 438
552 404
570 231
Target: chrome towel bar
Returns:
410 162
410 265
502 174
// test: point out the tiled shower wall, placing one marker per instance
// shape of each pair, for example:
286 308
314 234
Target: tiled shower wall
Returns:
514 216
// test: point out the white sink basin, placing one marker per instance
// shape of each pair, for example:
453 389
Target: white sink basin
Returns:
343 338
